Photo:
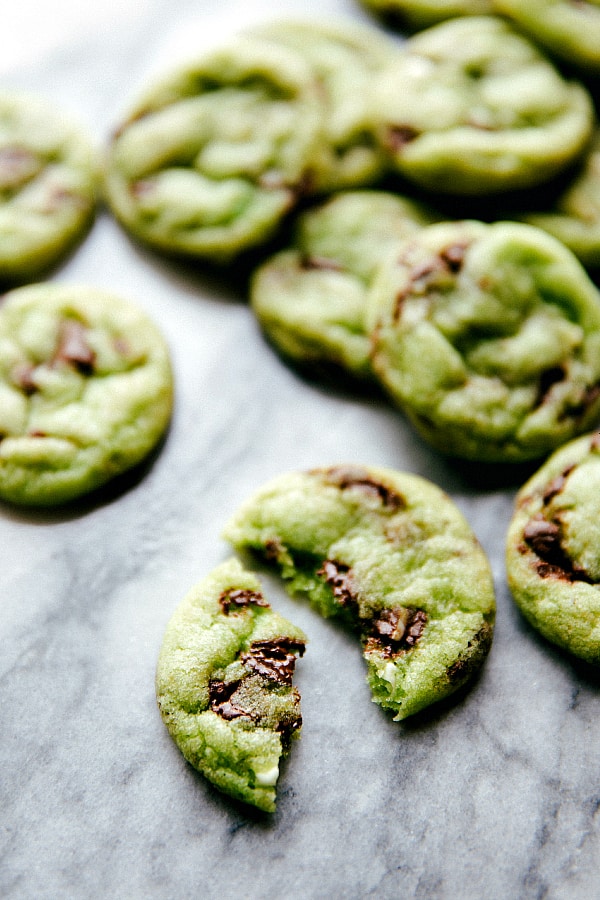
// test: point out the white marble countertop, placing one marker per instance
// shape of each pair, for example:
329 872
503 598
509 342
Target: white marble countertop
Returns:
495 795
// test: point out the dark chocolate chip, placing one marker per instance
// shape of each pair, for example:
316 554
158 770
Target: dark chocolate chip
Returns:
357 478
394 631
554 487
73 347
339 577
544 537
274 659
453 256
241 597
220 694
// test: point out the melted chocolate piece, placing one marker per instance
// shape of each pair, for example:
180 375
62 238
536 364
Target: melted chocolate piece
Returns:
554 487
275 659
394 631
220 694
241 597
73 347
309 262
398 136
544 537
357 478
22 377
453 256
340 577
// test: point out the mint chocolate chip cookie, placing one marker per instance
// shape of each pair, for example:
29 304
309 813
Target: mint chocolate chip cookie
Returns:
488 337
472 107
214 156
553 548
85 391
569 29
575 215
345 58
311 299
389 554
48 183
224 684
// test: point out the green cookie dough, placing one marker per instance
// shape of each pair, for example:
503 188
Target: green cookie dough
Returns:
570 29
553 548
575 216
488 337
85 391
391 555
212 159
311 299
416 14
224 684
472 107
48 183
345 58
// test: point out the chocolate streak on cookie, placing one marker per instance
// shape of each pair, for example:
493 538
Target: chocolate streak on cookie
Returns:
469 661
354 477
73 347
274 659
241 597
220 694
544 537
394 631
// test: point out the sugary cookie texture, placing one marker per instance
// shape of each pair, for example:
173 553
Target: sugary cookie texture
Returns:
472 107
570 29
311 299
48 184
575 215
423 13
224 684
488 337
391 555
553 548
345 58
210 161
85 391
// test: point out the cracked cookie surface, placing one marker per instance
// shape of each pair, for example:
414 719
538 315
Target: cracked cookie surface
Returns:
85 391
552 548
224 684
391 556
488 337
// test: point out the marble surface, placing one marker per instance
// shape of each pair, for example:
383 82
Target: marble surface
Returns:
495 795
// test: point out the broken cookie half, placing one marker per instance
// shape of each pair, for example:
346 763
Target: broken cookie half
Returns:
390 554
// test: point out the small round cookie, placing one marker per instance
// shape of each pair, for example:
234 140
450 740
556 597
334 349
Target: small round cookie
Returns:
553 548
488 337
472 107
345 59
311 299
575 216
391 555
416 14
85 391
569 29
48 184
212 159
224 684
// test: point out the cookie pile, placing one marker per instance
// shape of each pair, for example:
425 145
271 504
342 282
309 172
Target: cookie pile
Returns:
350 165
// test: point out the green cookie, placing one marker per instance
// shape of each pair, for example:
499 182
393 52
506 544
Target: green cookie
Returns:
570 29
391 555
488 337
575 216
553 548
311 300
416 14
472 107
48 183
345 58
212 159
224 684
85 391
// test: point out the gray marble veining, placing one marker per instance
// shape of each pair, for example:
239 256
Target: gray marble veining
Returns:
495 795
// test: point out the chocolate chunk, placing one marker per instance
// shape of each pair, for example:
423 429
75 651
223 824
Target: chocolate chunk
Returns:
22 377
554 487
339 576
398 136
275 659
73 347
545 539
220 694
394 631
309 262
239 598
355 477
453 256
